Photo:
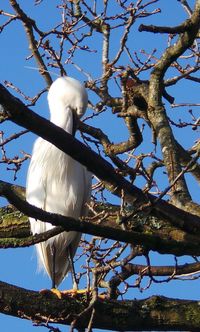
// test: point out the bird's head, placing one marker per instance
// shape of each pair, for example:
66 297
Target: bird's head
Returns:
67 92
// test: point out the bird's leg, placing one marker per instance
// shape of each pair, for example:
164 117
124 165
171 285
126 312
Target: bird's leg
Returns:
54 290
75 291
53 266
72 292
74 279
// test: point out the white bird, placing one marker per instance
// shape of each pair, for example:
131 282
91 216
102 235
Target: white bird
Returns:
56 182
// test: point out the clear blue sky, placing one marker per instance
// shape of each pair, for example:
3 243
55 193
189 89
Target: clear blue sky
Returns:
19 266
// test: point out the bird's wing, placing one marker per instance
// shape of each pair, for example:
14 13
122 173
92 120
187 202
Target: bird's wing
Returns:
35 185
36 195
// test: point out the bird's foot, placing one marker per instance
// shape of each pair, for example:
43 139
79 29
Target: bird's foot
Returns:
60 294
57 292
51 291
74 293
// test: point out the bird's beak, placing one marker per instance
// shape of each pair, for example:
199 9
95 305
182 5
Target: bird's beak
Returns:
75 122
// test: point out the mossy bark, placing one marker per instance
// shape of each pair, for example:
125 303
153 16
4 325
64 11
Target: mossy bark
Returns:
155 313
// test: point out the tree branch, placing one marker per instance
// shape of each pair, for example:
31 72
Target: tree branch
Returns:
181 244
158 312
185 26
157 114
33 45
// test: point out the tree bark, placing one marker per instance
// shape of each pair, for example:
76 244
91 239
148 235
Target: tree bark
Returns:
157 313
153 233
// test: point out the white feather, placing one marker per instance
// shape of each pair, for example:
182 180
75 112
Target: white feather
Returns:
56 182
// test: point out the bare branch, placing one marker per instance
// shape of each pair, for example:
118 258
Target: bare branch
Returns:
28 24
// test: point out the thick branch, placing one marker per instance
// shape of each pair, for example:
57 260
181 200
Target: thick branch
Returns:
112 149
181 244
157 313
185 26
156 112
175 271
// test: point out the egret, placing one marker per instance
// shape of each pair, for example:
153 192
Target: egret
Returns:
57 183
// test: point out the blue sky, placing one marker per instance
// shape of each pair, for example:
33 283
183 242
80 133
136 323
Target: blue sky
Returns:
19 265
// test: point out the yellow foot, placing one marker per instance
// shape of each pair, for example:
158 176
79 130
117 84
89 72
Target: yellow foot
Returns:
71 293
54 291
102 296
57 292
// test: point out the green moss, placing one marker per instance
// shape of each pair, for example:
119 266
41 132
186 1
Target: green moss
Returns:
13 223
192 314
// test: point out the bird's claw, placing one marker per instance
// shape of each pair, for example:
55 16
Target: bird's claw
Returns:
51 291
70 293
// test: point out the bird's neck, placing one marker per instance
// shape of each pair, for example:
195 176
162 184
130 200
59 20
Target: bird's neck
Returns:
62 117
